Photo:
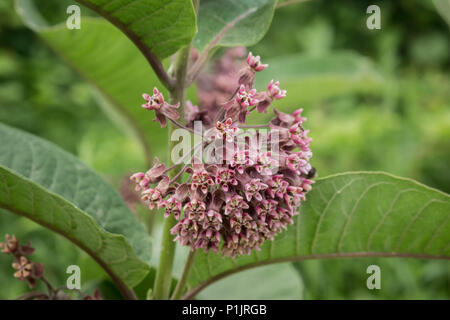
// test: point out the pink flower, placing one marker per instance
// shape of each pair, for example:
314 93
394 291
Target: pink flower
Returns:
237 223
286 120
265 208
226 129
201 178
306 184
153 175
186 231
162 108
154 196
277 186
236 204
155 101
297 114
10 245
23 267
172 207
195 210
224 178
274 90
240 160
255 63
253 188
297 162
264 163
208 240
246 98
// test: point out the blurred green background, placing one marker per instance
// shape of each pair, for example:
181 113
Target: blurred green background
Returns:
375 100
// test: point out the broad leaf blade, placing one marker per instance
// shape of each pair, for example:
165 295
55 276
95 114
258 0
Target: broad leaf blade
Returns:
51 187
245 22
350 215
163 26
247 285
310 78
284 3
113 65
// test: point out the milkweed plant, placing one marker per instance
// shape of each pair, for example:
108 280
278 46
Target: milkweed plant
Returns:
237 191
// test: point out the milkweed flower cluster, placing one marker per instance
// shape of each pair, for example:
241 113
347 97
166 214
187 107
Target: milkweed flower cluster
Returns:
25 270
249 195
30 272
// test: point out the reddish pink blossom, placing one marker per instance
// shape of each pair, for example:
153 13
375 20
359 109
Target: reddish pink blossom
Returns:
162 108
246 98
226 129
23 267
10 245
172 207
201 178
275 91
255 63
253 188
235 205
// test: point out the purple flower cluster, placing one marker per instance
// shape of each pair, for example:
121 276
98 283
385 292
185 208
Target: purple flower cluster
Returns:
233 205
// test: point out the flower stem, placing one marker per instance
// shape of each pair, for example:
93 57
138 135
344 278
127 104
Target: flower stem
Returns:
168 246
185 276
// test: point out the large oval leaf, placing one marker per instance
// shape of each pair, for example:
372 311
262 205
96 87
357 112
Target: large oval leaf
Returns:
309 78
247 285
231 23
161 26
51 187
112 64
349 215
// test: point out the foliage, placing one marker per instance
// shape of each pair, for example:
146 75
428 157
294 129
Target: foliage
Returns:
374 101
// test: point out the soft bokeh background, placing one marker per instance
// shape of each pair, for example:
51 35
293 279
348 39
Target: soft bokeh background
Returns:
375 100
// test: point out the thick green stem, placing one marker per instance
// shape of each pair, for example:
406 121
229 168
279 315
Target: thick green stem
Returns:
166 257
184 277
168 246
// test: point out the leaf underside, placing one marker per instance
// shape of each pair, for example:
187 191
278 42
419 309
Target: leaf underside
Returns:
215 16
349 215
111 63
53 188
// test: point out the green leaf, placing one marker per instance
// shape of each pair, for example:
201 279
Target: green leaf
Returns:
443 8
313 78
247 285
230 23
359 214
113 65
283 3
162 26
51 187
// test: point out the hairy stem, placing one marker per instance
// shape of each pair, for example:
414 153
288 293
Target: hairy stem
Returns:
184 277
168 246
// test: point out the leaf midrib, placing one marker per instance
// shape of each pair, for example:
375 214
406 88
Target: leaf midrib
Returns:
123 288
339 254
